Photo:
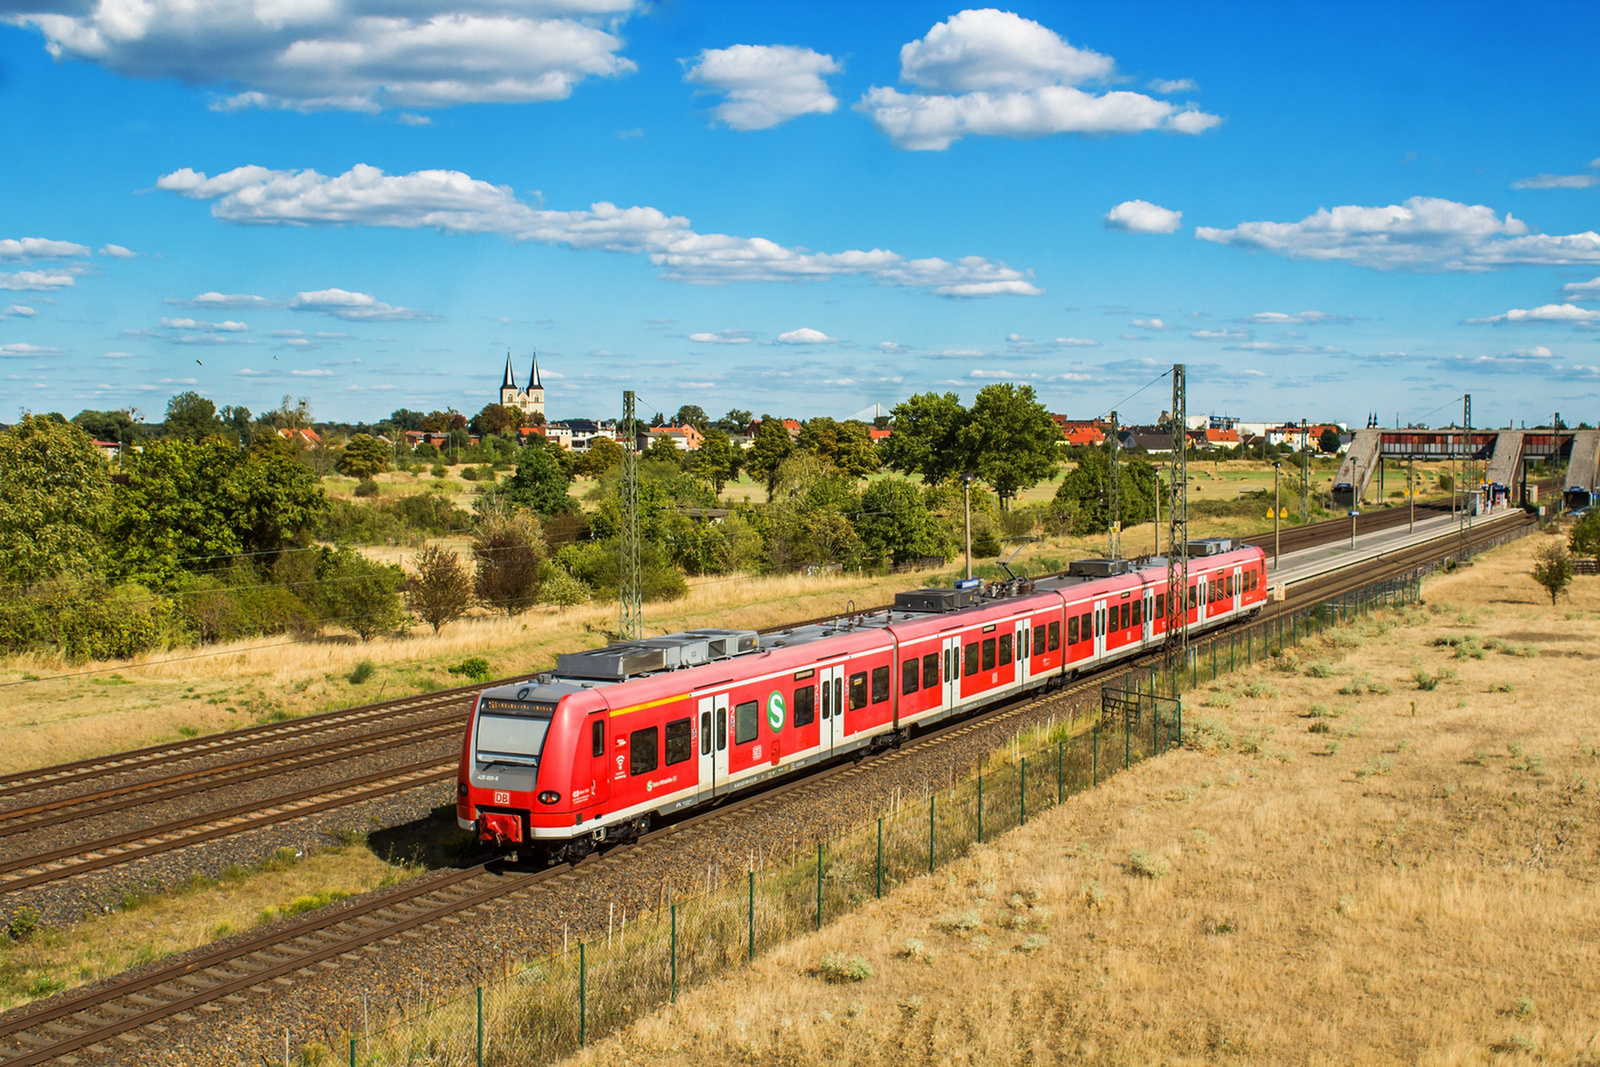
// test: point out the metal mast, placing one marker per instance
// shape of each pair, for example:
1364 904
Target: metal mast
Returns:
1113 500
1178 522
631 624
1305 473
1464 553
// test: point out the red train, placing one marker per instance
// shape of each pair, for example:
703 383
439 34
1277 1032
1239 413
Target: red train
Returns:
618 735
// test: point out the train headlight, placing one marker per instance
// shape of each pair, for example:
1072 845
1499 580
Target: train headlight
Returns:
549 796
461 790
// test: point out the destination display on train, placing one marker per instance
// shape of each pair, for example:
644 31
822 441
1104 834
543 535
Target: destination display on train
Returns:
536 708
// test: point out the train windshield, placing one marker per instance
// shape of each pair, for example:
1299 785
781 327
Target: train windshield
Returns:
512 731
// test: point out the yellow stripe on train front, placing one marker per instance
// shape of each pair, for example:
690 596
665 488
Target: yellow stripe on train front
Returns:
651 704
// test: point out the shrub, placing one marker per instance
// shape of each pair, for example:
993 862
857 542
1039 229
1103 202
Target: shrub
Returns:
24 923
1260 690
362 672
1319 727
437 470
1207 734
1144 865
366 487
476 669
1502 687
441 590
1320 669
359 594
839 968
508 549
1425 679
562 589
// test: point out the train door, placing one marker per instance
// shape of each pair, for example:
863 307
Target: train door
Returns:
1099 628
952 671
1149 629
1023 654
719 729
1200 591
707 733
832 733
1237 599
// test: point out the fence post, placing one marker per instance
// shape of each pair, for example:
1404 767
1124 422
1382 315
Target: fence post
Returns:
480 1026
1155 734
931 798
674 951
880 857
980 809
1022 792
752 899
583 997
1094 766
1180 720
819 885
352 1052
1127 740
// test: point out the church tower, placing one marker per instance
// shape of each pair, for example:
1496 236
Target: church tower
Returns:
529 401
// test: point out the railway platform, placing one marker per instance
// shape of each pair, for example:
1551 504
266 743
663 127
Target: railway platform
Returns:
1310 563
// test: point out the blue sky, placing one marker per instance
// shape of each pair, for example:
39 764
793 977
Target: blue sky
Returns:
800 208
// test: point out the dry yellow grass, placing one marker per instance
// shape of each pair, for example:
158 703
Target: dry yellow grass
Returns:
1415 884
201 911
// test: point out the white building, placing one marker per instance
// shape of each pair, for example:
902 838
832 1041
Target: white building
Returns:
529 401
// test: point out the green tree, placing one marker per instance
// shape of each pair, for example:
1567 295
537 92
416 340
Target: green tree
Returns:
692 415
819 436
736 421
404 419
1552 568
716 460
539 484
1084 492
55 500
602 454
1584 538
927 437
360 594
854 453
894 522
441 589
770 448
662 450
364 456
497 419
237 420
1009 439
1328 441
191 417
508 551
119 426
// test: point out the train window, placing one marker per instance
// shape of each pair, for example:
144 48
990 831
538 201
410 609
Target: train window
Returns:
880 684
910 675
1055 636
1192 598
930 670
722 729
1005 649
827 700
970 656
1072 630
1138 613
838 699
597 738
949 664
745 718
805 706
1100 623
988 654
680 745
705 733
642 753
1038 640
1161 605
1084 632
1127 616
858 690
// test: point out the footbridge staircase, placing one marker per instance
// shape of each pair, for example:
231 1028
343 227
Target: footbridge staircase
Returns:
1583 469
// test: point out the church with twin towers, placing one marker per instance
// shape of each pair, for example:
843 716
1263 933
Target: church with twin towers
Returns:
529 401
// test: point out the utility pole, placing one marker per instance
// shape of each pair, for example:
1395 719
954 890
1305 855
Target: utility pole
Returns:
1177 636
631 624
1159 488
1305 473
1466 457
1411 493
1277 508
966 488
1113 501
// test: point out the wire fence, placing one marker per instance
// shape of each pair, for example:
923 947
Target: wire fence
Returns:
562 1002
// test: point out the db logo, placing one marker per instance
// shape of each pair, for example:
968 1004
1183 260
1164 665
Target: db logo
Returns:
502 797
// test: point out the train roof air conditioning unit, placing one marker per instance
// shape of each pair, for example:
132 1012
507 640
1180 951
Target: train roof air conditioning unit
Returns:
1212 546
934 599
1099 568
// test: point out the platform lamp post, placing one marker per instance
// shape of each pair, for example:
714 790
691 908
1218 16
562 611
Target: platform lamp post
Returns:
1276 510
966 487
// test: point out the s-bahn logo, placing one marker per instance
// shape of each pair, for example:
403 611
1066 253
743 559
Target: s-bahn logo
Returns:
775 711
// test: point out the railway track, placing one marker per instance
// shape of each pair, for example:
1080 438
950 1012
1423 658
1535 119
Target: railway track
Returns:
117 1013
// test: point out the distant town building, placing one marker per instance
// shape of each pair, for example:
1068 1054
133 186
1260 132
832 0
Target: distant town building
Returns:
686 438
529 401
1082 431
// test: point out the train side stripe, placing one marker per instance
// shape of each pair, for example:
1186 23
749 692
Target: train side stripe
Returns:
649 704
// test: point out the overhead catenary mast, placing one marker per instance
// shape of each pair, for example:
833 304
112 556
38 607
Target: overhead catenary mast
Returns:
1113 498
630 626
1177 638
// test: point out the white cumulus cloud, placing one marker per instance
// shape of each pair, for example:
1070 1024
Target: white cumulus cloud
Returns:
805 335
19 349
722 337
342 54
454 202
1423 234
1589 290
117 252
224 300
994 73
41 281
1152 324
1557 313
21 311
352 307
1557 181
229 326
1280 318
1220 335
1174 85
765 84
1141 216
15 250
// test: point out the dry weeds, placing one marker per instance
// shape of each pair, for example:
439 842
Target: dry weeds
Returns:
1414 884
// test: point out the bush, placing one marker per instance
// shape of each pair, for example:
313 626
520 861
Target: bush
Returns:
441 590
508 549
474 669
366 487
87 618
837 967
1319 670
359 594
24 923
437 470
1144 865
562 589
362 672
1425 679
